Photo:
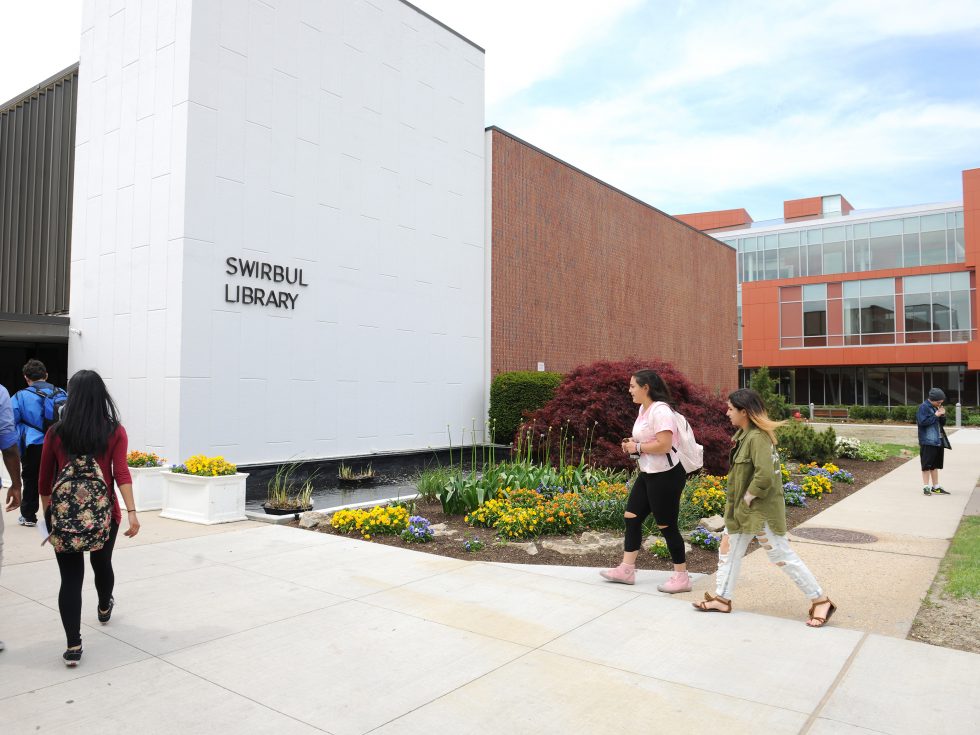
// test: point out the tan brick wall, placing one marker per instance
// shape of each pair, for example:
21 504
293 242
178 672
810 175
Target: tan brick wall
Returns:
582 272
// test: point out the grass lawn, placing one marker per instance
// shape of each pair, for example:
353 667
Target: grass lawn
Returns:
896 449
962 563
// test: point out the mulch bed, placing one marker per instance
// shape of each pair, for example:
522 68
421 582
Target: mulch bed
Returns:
698 560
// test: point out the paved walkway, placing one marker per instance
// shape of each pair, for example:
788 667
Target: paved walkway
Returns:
254 628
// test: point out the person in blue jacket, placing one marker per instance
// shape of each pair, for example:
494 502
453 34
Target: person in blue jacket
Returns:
35 407
11 460
931 418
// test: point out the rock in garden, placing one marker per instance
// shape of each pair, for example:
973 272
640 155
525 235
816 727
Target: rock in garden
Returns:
601 541
311 519
528 547
439 529
715 523
587 543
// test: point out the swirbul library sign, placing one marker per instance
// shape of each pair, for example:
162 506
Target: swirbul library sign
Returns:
277 298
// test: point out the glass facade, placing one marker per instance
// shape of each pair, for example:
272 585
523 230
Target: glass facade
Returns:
884 385
936 309
827 249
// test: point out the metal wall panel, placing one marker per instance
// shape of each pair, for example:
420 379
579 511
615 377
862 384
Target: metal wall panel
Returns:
37 144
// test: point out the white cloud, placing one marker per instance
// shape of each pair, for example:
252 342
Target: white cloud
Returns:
683 171
767 95
528 41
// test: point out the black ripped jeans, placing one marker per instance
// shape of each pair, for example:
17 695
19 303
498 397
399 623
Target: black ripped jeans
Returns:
658 493
72 568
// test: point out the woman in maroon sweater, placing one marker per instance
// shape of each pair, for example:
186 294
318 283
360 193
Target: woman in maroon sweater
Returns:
89 426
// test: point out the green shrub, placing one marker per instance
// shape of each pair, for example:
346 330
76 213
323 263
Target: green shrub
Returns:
802 443
796 440
972 420
511 394
872 452
825 446
765 386
904 413
856 412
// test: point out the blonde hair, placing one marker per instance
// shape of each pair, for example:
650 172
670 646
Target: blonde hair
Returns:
748 400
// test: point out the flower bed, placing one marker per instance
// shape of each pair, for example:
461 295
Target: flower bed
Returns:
601 507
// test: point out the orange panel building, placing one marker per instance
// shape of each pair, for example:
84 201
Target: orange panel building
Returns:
868 307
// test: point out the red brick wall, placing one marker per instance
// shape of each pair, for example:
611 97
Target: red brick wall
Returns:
582 272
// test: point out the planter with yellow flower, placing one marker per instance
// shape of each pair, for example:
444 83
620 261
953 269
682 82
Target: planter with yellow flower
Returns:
146 469
205 490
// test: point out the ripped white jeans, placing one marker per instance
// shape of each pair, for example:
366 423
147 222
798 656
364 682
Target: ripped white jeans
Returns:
780 554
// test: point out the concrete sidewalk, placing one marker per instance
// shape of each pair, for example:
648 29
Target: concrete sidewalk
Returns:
242 629
877 586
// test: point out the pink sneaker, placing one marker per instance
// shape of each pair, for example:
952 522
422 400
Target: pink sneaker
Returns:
624 574
679 582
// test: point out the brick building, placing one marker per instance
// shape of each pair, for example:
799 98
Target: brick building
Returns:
582 272
869 307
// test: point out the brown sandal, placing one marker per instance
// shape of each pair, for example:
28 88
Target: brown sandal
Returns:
703 605
821 621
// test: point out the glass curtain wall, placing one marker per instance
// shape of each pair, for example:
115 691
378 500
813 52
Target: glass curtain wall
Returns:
872 386
928 239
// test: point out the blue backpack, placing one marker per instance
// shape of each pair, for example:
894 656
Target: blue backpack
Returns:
52 402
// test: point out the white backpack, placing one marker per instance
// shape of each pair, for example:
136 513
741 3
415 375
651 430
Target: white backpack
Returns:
690 453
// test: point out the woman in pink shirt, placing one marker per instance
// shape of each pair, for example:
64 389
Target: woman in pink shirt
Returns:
658 486
89 426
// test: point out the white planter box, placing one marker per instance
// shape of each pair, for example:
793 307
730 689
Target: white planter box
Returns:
147 487
206 500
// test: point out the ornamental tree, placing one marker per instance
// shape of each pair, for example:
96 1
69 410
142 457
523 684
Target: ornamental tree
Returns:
593 401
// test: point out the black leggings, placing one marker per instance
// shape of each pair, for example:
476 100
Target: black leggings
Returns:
658 493
72 568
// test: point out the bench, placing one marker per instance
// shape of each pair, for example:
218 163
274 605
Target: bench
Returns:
830 413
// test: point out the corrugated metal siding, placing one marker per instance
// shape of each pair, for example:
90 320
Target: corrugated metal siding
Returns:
37 164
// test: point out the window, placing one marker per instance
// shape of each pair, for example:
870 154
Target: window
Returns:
869 312
933 238
789 255
833 250
886 244
910 241
815 315
937 308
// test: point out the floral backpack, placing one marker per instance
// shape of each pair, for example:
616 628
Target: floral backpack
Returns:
81 508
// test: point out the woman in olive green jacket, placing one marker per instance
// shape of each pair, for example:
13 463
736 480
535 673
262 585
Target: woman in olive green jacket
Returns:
755 508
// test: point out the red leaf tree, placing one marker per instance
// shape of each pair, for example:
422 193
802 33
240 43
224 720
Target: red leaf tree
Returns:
595 398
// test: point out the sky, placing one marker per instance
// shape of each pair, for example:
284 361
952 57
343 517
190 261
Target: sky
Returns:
694 105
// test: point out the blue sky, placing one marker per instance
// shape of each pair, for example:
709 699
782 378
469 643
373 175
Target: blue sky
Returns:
694 105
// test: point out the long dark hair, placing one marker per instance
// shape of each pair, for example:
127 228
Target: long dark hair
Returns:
654 384
746 399
89 416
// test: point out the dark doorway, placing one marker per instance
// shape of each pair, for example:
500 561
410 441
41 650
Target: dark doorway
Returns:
13 355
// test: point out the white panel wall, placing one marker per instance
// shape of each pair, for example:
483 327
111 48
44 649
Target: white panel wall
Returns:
341 137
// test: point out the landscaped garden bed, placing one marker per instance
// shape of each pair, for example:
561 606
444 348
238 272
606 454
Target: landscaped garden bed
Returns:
454 532
559 494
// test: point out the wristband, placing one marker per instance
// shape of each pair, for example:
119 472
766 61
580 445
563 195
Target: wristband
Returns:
128 510
639 447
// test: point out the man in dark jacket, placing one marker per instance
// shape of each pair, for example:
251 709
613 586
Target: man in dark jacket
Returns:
35 407
931 418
